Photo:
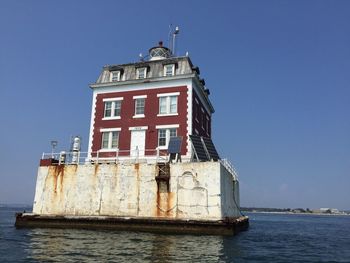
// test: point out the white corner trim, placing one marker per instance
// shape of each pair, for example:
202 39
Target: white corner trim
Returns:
168 94
139 97
92 120
138 116
167 126
167 114
189 118
113 99
138 128
111 118
110 129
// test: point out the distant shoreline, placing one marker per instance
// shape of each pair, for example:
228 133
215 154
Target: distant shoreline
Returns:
295 213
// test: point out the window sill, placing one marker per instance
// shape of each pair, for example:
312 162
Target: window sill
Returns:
138 116
108 150
162 147
111 118
167 114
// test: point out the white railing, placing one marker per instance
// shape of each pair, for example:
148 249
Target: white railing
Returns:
229 166
109 156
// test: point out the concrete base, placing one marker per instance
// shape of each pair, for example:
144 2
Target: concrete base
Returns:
231 226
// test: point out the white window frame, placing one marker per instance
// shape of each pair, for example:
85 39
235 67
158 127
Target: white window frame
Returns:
207 124
136 98
203 118
167 97
172 70
113 101
196 110
167 129
112 76
139 70
109 131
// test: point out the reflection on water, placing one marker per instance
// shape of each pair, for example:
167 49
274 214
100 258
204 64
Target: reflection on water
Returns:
68 245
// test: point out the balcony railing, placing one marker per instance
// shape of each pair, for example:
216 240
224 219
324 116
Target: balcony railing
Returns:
121 156
229 166
110 156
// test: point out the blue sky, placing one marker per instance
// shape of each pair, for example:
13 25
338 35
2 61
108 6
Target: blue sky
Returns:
278 72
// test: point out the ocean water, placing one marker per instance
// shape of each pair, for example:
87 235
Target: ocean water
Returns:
270 238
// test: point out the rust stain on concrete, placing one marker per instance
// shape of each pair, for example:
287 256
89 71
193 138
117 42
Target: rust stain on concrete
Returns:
170 204
96 169
158 201
56 173
137 168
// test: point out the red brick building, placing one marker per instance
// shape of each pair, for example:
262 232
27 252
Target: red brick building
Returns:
137 107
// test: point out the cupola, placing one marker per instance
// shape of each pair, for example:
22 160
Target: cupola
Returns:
159 52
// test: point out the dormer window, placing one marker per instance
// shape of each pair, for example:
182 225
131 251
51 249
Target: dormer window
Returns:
141 73
169 70
115 76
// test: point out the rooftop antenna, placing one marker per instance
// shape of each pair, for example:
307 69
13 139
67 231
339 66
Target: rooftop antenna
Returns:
169 37
175 33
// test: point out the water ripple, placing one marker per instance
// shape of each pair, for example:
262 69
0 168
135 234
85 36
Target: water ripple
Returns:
271 238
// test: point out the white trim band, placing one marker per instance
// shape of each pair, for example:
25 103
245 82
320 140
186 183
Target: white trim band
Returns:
113 99
111 118
138 128
138 116
167 126
167 114
110 129
140 97
168 94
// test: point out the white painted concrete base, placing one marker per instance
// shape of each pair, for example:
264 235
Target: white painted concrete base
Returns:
199 191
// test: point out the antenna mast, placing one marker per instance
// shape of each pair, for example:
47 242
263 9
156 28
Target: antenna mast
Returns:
175 33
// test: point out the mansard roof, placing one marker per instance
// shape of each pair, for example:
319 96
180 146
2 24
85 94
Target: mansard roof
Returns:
155 72
155 68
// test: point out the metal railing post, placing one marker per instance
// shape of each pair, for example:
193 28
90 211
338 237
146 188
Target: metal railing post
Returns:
116 155
158 152
137 154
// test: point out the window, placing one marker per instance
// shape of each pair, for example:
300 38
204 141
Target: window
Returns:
168 103
140 101
112 109
140 106
141 73
203 117
169 70
110 139
196 109
164 136
207 124
115 76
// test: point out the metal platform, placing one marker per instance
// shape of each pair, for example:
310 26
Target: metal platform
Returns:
229 226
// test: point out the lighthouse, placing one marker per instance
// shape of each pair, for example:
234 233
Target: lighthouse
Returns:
151 164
